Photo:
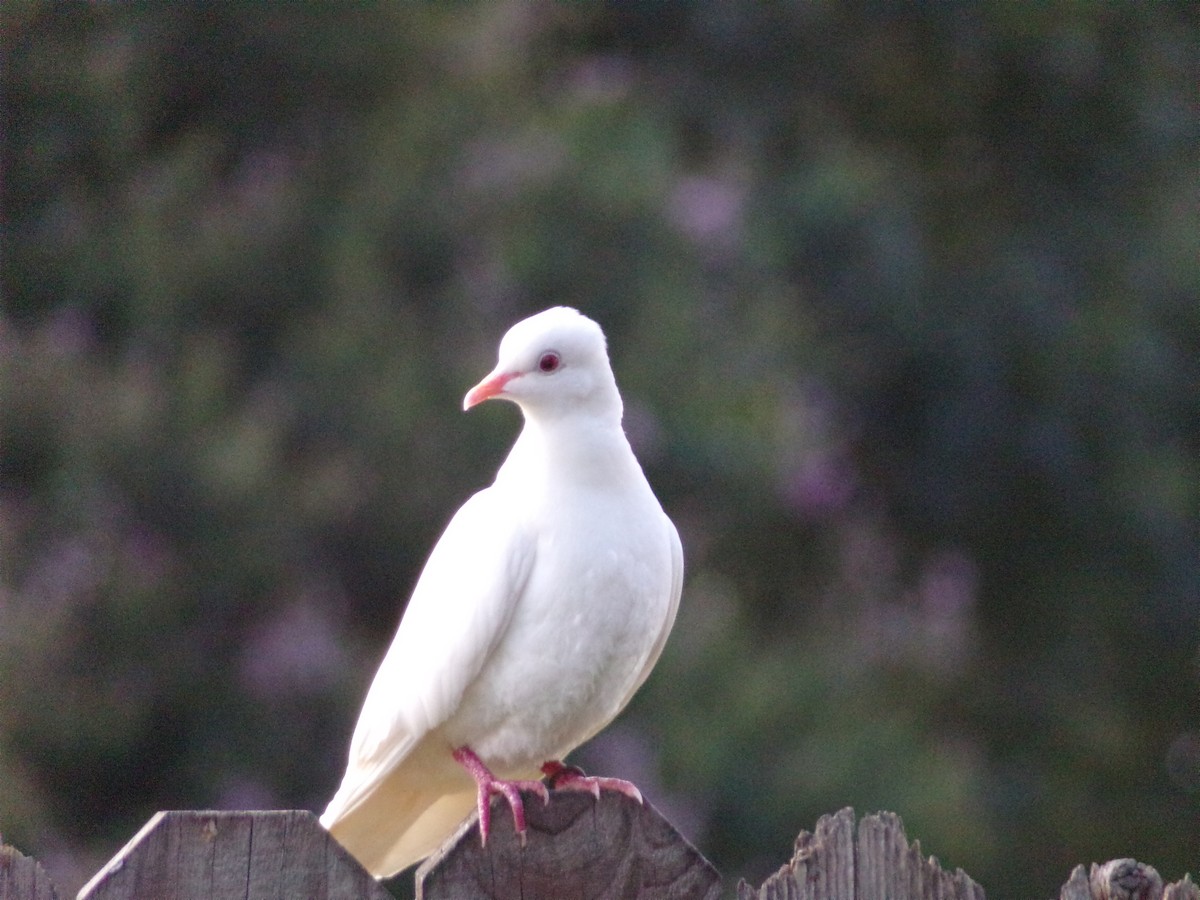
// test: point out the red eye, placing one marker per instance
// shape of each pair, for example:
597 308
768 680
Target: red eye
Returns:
549 361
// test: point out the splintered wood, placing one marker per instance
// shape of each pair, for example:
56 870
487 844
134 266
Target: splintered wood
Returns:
839 862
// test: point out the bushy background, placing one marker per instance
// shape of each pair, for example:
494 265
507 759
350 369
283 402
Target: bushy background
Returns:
903 299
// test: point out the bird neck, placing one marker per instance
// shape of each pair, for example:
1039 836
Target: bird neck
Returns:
581 450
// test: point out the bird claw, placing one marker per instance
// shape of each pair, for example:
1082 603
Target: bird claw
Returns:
488 784
572 778
561 777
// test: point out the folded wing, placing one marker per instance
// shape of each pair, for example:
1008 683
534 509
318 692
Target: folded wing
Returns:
459 610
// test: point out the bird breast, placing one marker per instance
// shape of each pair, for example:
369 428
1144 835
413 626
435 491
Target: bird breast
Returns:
581 635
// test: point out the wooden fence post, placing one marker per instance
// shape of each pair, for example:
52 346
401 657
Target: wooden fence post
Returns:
576 846
1125 879
836 861
271 855
22 878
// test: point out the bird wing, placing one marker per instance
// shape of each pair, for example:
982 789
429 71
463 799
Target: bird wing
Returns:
459 609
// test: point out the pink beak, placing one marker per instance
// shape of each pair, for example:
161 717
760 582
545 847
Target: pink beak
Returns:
492 386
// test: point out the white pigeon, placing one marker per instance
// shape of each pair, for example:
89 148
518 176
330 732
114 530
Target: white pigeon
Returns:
540 612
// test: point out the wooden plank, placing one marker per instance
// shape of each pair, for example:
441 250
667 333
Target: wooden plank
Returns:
22 878
1124 879
1077 886
608 849
836 862
888 866
264 855
822 865
1184 889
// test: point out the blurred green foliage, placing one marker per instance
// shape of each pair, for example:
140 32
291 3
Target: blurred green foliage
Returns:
904 301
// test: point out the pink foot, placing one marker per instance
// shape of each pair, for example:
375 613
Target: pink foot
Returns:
489 784
571 778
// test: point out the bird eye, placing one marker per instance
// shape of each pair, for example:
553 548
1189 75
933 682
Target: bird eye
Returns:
549 362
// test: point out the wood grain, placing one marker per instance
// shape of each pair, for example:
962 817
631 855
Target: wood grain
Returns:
264 855
22 878
838 861
576 847
1124 879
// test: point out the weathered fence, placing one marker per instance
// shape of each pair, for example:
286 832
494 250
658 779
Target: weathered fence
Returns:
576 847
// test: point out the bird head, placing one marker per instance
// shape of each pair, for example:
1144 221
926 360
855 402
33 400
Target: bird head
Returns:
551 364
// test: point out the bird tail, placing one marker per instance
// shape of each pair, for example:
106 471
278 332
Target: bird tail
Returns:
394 826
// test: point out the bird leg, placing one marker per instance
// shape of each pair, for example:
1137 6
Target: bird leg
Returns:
571 778
489 784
